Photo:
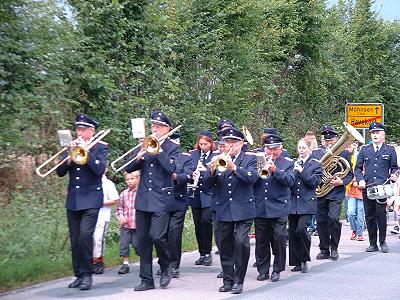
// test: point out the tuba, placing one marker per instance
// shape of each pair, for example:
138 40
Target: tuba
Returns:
333 162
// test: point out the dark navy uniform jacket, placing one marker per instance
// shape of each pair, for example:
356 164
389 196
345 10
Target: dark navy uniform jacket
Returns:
338 192
184 171
304 199
234 192
318 153
156 188
203 195
85 186
273 194
378 166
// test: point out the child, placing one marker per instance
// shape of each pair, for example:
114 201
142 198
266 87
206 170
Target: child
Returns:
126 216
103 220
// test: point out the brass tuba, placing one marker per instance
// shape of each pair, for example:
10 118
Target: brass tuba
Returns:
331 161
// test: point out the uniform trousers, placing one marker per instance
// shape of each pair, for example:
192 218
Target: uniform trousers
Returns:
175 229
271 233
81 224
152 229
329 226
217 238
299 239
202 219
235 249
375 217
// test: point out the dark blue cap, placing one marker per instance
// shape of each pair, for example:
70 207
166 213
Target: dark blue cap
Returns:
270 131
232 133
329 132
84 121
273 141
225 123
206 133
376 126
158 117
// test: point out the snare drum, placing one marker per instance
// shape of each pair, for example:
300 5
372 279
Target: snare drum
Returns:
381 191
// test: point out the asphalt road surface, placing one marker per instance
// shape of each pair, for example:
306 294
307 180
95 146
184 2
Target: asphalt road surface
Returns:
356 275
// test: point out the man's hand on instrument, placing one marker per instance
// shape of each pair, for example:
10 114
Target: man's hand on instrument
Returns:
271 166
231 166
362 184
336 181
393 177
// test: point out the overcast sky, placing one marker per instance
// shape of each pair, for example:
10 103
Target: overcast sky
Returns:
387 9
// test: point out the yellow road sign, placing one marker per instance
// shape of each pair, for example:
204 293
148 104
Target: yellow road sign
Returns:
361 115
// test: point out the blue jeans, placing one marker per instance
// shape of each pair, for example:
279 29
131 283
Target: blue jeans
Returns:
356 215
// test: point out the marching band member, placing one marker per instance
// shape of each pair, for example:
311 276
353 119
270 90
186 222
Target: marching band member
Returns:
308 174
329 206
85 198
380 162
154 197
272 206
202 198
235 208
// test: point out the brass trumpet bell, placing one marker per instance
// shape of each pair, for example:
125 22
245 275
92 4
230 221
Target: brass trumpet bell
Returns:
221 163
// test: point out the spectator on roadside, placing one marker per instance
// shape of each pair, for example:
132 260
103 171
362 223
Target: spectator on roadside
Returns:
127 221
103 220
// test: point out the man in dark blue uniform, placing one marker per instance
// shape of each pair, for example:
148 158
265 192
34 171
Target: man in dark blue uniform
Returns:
85 198
329 206
154 197
182 176
272 196
235 208
375 164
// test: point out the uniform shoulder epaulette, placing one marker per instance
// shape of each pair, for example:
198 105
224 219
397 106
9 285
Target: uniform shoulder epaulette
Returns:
175 142
250 153
185 153
314 159
192 151
288 158
362 146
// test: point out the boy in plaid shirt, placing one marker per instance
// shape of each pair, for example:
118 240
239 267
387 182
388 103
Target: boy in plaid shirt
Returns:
126 216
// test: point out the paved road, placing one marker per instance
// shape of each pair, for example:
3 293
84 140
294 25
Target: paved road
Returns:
356 275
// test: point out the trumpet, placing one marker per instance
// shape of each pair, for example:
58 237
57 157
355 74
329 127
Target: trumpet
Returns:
150 144
78 154
221 161
263 163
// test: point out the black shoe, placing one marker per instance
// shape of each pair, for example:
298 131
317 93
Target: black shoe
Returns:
237 288
98 268
144 286
384 247
304 267
275 276
334 254
207 261
263 276
199 261
225 288
175 273
322 255
158 272
165 278
372 248
124 269
255 265
221 275
296 269
76 283
86 283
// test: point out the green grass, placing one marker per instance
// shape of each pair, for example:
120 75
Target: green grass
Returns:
34 236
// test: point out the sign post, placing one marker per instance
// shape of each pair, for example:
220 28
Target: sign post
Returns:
361 115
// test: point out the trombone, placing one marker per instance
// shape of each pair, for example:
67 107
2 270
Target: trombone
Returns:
150 144
78 154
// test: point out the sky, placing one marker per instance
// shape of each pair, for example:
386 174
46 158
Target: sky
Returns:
387 9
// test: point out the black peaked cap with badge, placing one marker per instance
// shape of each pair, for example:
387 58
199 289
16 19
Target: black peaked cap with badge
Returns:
273 141
233 134
329 132
84 121
376 126
206 133
159 117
